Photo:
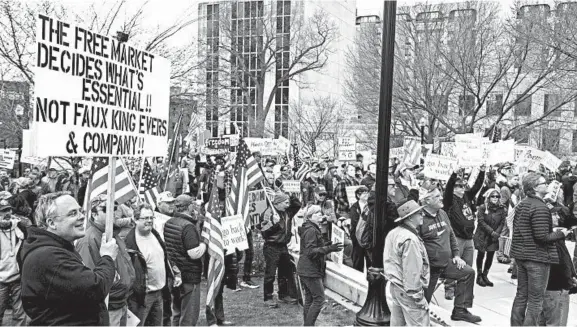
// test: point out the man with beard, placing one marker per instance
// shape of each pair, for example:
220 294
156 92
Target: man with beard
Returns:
309 184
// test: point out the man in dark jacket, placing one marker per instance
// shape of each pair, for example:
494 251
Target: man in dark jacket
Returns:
358 255
443 252
459 204
152 268
276 232
57 288
88 247
311 265
534 250
185 249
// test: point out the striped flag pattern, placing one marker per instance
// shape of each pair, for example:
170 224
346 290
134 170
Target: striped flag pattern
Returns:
147 187
302 169
247 175
124 187
412 151
212 236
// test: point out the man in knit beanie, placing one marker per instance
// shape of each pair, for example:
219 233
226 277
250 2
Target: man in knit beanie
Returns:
276 232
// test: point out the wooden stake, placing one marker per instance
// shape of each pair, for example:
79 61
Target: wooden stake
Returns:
110 199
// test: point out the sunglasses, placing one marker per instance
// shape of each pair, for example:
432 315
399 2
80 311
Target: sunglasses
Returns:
495 196
103 208
459 186
322 194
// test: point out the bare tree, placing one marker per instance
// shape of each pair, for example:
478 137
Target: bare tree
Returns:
315 120
260 57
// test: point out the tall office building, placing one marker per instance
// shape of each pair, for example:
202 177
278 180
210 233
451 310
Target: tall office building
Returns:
233 38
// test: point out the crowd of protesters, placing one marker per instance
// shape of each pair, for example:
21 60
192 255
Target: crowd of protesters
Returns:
57 268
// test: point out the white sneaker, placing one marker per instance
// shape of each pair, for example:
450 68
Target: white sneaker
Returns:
248 284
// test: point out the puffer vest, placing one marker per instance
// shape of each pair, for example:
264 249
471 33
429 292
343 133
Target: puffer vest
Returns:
190 269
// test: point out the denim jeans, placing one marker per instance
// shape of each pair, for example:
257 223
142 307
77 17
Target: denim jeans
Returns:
277 257
118 317
467 252
185 304
404 310
12 292
532 278
248 256
151 313
464 287
555 309
314 298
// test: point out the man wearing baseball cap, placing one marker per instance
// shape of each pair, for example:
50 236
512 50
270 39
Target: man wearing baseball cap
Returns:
13 232
406 267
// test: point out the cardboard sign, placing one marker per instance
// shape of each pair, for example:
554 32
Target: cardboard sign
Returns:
550 161
267 146
337 236
351 194
292 186
500 152
257 206
469 149
398 153
96 96
7 158
439 167
448 150
532 158
347 148
233 234
35 161
217 143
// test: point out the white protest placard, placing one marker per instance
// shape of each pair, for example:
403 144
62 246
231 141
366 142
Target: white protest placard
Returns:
500 152
256 205
267 146
7 158
533 158
233 234
291 186
520 151
550 161
351 194
96 96
473 176
35 161
469 149
448 149
347 148
553 191
398 153
439 167
337 236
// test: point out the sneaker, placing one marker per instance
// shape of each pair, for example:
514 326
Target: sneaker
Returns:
248 284
462 314
288 300
271 304
449 294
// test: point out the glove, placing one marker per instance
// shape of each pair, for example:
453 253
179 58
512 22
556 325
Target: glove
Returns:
335 247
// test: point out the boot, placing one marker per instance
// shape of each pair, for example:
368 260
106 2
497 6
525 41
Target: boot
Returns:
463 314
480 279
486 279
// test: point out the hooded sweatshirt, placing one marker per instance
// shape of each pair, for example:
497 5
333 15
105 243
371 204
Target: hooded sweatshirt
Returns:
461 211
439 239
312 252
57 288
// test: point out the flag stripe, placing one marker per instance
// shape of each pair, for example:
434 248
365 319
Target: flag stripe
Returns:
124 188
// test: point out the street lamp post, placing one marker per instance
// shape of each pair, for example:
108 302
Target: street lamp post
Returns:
375 311
422 124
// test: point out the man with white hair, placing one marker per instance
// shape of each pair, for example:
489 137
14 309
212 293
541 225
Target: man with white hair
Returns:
406 267
57 288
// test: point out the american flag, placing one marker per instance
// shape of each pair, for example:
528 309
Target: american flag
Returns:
302 169
412 151
212 236
147 186
124 186
247 175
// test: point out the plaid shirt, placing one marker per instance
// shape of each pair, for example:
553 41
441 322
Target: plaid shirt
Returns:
341 193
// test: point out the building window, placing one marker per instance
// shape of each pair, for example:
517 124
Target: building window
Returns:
495 105
466 104
523 107
552 102
550 139
283 19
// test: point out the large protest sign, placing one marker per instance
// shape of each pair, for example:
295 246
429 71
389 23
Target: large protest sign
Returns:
532 158
469 149
439 167
337 236
499 152
347 148
292 187
96 96
233 234
216 145
7 158
550 161
398 153
257 205
448 150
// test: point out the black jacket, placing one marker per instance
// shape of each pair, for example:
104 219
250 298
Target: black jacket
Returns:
57 288
489 227
461 211
312 252
140 269
279 233
191 269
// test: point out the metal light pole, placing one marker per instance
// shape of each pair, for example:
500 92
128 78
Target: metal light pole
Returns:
375 311
422 124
